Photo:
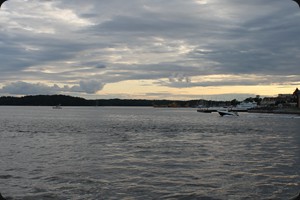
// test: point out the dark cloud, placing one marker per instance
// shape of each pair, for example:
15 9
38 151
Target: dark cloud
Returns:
84 45
24 88
90 86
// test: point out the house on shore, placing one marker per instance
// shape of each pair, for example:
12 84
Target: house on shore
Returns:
297 96
283 100
268 101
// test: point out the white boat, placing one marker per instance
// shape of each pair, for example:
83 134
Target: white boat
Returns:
57 107
227 113
246 105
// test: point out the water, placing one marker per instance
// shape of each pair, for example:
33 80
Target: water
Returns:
146 153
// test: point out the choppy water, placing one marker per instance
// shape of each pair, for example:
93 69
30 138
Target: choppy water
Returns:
146 153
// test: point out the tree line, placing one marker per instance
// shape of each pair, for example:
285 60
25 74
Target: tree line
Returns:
65 100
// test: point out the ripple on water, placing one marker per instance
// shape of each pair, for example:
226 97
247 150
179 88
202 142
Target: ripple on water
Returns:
143 153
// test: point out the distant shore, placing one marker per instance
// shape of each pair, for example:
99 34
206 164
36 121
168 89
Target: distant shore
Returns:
65 100
277 111
256 110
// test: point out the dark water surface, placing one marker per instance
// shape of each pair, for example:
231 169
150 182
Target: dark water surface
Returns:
146 153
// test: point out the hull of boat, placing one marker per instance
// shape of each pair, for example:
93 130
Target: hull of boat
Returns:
227 113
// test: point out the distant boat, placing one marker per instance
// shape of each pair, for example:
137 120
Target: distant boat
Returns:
204 110
57 107
211 109
245 106
227 113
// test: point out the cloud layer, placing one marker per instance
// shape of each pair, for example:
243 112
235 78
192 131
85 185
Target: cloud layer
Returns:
79 47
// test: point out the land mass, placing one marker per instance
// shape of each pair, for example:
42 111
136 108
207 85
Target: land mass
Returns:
64 100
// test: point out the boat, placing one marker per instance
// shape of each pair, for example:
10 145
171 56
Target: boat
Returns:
57 107
245 106
204 110
227 113
211 109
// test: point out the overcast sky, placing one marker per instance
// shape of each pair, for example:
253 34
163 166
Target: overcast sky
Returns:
175 49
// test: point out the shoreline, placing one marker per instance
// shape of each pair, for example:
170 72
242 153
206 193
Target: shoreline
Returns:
276 111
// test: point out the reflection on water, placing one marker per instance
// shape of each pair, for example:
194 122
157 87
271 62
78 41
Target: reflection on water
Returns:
146 153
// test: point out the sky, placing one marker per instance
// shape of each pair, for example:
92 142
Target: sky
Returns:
150 49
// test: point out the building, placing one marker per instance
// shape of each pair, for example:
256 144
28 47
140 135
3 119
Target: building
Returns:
282 100
268 101
296 94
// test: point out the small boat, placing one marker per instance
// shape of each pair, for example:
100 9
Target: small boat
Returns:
211 109
227 113
204 110
57 107
244 106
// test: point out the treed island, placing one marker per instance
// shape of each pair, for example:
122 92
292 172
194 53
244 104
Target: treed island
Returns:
65 100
